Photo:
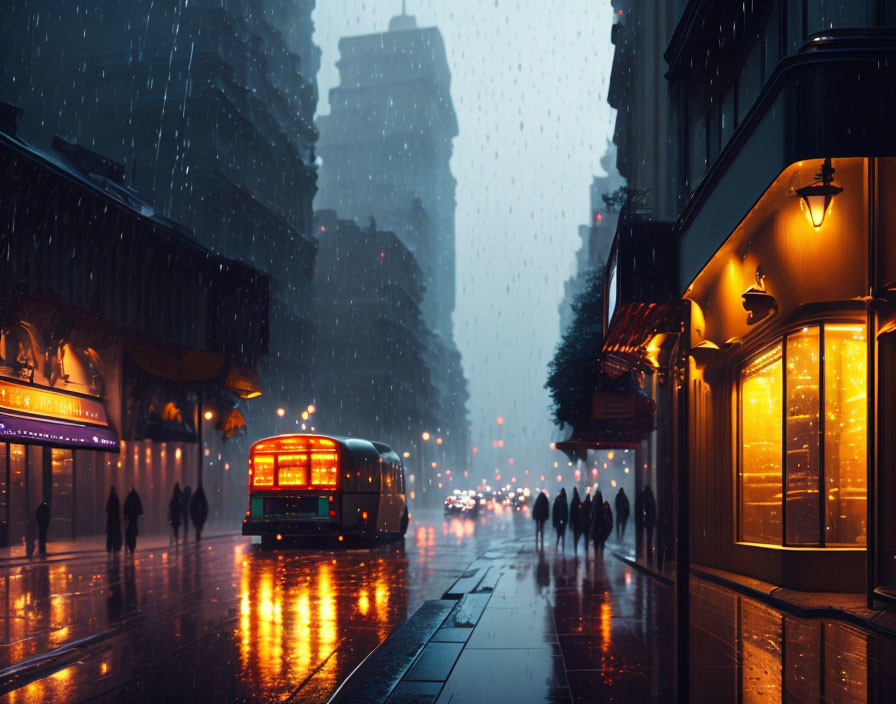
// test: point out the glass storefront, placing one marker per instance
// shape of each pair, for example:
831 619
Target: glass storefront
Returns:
760 463
803 438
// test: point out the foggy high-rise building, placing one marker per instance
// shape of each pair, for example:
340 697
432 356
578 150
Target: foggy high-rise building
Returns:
385 150
596 237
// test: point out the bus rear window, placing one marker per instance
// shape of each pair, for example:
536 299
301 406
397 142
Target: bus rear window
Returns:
295 462
263 471
324 464
292 469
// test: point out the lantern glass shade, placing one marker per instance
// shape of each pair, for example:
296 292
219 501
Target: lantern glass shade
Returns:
816 207
816 199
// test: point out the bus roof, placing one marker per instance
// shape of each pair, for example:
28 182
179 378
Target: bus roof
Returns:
293 441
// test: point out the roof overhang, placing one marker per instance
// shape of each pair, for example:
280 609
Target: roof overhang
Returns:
833 99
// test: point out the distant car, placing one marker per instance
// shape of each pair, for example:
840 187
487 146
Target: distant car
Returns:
462 503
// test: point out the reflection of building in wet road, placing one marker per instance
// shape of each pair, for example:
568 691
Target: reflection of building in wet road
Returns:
227 622
224 621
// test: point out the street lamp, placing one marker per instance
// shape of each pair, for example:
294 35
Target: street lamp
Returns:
816 198
281 412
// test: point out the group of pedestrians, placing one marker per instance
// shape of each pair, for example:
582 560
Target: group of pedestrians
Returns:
184 506
591 518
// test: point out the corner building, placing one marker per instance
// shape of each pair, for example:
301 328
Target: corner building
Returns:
785 279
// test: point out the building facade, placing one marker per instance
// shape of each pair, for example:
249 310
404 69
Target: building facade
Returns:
782 364
372 345
385 150
210 106
126 348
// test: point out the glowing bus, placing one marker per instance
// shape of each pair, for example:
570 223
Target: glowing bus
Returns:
316 485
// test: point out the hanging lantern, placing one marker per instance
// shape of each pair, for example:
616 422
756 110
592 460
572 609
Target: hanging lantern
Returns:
816 199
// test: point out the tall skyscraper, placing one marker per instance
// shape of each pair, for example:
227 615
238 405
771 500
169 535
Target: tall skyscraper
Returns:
385 154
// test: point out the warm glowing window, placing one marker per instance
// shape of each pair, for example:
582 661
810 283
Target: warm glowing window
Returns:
801 429
760 465
803 410
845 433
263 470
292 469
323 468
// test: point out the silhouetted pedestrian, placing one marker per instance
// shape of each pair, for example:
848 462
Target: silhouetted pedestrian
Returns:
622 512
199 510
608 523
560 517
175 508
133 509
42 516
639 523
586 520
185 510
649 519
113 523
541 510
575 519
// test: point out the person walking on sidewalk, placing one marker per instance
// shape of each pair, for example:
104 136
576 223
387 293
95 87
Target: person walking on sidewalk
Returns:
602 526
42 516
185 510
133 509
541 509
560 517
639 523
113 523
575 519
586 520
622 512
649 519
199 510
175 509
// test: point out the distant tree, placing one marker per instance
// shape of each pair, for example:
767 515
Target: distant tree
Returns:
574 373
625 199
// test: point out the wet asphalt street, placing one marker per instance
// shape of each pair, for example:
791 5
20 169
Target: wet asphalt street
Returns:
228 622
225 621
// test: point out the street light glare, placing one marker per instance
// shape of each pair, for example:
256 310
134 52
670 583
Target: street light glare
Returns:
281 412
425 436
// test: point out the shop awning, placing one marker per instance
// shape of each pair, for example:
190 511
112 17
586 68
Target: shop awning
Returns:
639 337
193 365
243 382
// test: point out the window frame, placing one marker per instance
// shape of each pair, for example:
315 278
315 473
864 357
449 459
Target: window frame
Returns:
754 353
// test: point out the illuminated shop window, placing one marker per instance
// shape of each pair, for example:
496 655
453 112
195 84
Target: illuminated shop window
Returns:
801 437
845 433
782 426
760 466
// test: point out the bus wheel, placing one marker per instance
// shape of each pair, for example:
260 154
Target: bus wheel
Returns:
268 542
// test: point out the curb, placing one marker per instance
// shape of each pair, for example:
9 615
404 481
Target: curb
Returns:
829 612
10 562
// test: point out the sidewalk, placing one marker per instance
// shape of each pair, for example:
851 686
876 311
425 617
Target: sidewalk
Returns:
91 545
529 626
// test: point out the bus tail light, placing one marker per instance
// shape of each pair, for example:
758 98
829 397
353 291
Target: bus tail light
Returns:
364 516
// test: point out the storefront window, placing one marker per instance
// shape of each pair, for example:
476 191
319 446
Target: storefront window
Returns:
845 433
789 384
802 510
761 416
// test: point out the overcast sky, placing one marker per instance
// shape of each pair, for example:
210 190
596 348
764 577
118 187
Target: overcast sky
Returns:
529 82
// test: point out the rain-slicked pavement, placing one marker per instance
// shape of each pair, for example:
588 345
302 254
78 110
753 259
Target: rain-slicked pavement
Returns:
227 622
